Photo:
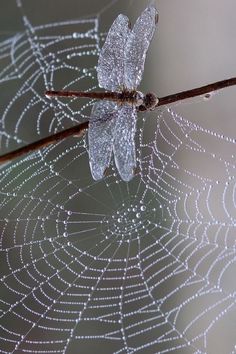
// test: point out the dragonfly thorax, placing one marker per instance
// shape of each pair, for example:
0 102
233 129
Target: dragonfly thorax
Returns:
132 97
137 98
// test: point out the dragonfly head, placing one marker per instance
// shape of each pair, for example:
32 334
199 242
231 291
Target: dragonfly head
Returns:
150 100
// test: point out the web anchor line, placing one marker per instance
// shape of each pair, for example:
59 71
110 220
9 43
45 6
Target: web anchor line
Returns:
79 129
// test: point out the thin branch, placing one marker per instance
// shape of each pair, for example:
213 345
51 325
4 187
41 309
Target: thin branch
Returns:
200 91
79 129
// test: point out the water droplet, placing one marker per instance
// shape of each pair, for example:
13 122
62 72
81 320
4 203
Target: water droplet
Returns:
207 96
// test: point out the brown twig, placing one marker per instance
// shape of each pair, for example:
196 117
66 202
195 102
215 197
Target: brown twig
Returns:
79 129
200 91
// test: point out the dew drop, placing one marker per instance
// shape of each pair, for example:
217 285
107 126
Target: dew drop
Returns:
207 96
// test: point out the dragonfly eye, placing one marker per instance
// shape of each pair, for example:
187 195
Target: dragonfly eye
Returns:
150 100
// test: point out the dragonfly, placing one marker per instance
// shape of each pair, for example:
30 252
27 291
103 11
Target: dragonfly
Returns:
112 124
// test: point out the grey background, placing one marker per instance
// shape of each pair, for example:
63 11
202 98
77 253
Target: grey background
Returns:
194 45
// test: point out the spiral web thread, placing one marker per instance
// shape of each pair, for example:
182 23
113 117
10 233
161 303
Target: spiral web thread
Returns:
109 266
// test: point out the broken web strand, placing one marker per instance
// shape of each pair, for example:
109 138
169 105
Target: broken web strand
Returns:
57 109
51 62
175 251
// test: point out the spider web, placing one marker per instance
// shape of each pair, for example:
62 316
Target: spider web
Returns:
108 266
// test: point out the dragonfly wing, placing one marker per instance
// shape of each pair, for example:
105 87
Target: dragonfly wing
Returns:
111 59
124 143
100 136
137 46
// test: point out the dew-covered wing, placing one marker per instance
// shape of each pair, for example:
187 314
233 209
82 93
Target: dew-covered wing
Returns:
137 46
124 143
111 59
100 137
